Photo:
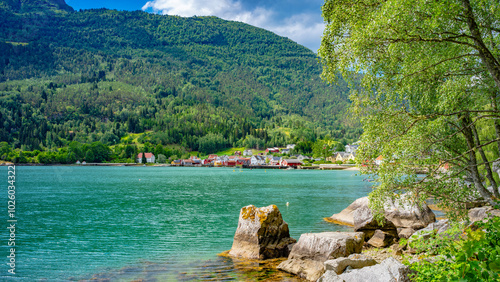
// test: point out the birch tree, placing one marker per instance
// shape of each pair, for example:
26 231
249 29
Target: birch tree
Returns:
429 93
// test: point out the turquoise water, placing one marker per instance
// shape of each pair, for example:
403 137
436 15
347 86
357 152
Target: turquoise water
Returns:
153 223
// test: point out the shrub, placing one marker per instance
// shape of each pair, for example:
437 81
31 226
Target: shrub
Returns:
473 256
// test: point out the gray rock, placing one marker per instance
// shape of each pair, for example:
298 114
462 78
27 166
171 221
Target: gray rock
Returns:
366 223
261 234
353 261
397 213
406 232
346 216
439 226
389 270
404 215
381 239
482 213
311 251
305 268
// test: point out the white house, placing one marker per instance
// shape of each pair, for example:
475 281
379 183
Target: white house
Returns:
258 160
275 161
150 158
247 152
290 146
351 148
301 157
285 151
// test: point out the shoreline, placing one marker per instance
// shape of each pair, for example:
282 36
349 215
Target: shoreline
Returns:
315 167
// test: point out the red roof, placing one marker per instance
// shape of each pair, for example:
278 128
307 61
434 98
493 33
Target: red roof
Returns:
379 158
148 155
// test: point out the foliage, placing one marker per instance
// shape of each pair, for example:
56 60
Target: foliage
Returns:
473 256
99 75
428 96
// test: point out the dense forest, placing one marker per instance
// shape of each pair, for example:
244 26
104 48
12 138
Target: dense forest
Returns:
74 80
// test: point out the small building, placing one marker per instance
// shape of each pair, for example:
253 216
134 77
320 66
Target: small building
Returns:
290 146
378 160
176 162
351 148
247 152
301 157
237 153
275 161
341 156
243 161
272 150
150 158
285 151
290 162
187 162
78 162
351 156
258 160
84 163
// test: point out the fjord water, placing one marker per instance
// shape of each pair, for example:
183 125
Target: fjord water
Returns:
128 223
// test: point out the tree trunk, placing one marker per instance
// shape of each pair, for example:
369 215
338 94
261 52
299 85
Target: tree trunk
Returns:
487 164
487 57
465 122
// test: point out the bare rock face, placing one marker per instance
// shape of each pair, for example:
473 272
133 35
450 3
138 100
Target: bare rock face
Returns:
398 214
261 234
311 251
381 239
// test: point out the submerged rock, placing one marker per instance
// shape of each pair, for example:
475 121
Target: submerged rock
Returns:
311 251
261 234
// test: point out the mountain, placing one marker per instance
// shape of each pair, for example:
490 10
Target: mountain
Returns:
100 75
35 6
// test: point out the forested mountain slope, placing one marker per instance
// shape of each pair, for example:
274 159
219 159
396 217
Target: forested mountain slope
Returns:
99 74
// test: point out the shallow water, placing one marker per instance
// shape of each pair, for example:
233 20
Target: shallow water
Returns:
156 223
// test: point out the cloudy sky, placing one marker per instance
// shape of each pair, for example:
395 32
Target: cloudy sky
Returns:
298 20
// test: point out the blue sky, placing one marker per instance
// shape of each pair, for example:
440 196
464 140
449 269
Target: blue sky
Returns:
298 20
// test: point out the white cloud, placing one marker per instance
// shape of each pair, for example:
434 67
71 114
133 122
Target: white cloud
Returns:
306 29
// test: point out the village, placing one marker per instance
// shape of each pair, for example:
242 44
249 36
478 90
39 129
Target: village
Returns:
274 157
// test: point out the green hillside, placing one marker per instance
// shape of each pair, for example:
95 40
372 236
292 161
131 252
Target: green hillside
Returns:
202 82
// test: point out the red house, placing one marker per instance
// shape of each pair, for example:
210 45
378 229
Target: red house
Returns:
290 162
272 150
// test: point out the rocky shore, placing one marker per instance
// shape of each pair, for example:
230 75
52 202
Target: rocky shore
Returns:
373 252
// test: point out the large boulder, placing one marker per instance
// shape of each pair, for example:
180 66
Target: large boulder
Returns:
311 251
397 213
388 270
261 234
345 217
